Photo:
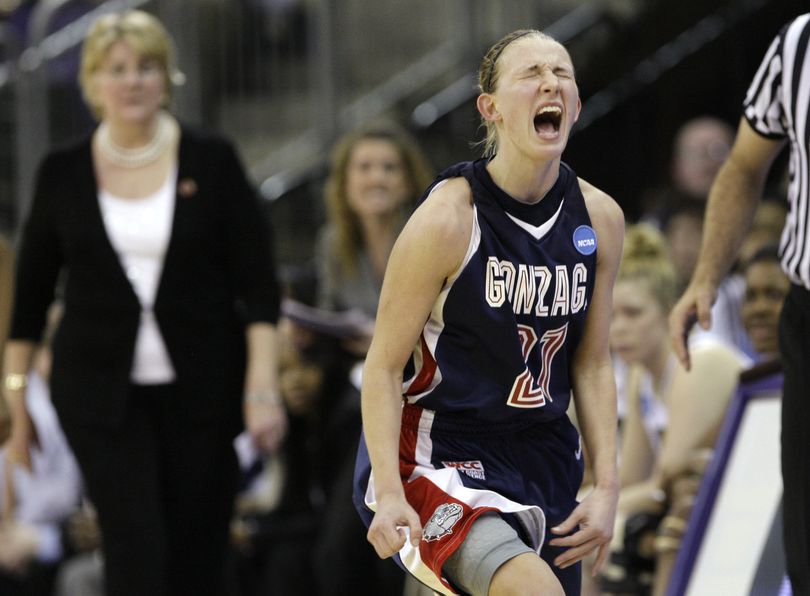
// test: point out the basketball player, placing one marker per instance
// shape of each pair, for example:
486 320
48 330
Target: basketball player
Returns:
499 289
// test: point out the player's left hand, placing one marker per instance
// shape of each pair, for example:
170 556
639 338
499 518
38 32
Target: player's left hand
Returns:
594 516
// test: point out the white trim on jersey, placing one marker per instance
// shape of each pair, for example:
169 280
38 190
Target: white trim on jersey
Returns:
424 445
538 232
435 324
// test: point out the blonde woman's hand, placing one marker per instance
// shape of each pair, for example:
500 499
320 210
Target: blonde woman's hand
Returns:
265 419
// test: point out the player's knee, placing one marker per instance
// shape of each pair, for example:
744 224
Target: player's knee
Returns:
525 575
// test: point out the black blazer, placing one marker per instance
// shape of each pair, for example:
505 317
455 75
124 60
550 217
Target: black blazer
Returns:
217 276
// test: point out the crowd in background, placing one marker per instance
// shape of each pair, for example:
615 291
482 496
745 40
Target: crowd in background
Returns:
294 530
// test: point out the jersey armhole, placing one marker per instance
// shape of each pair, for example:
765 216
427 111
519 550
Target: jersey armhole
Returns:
475 232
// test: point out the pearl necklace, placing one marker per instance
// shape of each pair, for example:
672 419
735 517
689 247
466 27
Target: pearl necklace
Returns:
139 156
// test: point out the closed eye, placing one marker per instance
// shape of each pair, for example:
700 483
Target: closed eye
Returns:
559 72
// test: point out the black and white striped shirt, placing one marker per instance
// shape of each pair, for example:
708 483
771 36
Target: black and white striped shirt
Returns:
777 105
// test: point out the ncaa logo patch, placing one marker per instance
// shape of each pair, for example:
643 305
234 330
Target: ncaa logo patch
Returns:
442 521
585 240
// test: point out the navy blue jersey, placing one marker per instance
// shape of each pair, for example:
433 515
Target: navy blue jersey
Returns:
493 360
500 340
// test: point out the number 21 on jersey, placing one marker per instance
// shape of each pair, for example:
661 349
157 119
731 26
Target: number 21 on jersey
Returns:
528 391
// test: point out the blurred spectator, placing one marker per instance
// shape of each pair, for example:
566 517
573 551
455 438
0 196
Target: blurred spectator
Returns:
645 290
167 343
377 173
697 408
682 226
282 508
345 561
376 176
683 229
82 572
672 414
699 148
766 287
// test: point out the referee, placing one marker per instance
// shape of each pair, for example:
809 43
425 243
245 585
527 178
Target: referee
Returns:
775 113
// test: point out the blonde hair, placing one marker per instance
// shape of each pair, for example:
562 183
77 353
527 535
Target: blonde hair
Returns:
143 32
418 173
646 259
488 77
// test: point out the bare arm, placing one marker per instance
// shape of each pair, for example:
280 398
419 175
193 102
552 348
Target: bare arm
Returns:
432 245
17 359
592 371
732 202
595 393
265 418
636 452
697 404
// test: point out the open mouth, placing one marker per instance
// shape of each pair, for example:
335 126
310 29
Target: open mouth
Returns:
547 120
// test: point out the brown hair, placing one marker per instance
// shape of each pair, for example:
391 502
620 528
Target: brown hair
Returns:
645 258
348 238
488 77
143 32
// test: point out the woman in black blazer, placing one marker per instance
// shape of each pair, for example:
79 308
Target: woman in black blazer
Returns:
156 240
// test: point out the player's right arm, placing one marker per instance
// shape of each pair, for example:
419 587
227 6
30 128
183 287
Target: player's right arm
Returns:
430 249
730 209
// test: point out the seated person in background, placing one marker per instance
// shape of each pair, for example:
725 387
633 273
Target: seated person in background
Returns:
695 417
656 436
376 175
699 148
682 225
766 287
345 562
280 511
683 228
35 503
82 571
